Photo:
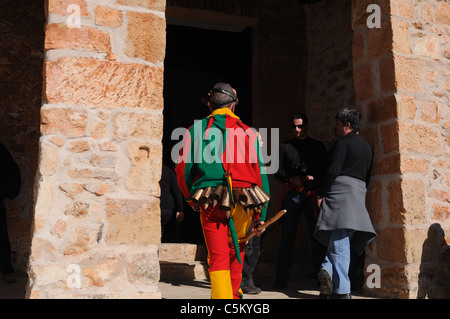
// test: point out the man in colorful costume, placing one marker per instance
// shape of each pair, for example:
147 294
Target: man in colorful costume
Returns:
221 173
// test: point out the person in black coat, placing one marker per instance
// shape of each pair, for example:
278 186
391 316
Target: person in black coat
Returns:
301 159
171 198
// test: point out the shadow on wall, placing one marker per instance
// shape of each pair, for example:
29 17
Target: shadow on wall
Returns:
434 275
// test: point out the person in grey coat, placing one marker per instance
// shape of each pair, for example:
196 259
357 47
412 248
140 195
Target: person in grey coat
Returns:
343 215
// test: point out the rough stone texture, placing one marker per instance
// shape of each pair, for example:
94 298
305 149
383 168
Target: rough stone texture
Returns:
97 215
96 83
146 37
405 101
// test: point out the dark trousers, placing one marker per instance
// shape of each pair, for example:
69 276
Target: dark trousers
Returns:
252 251
289 230
5 246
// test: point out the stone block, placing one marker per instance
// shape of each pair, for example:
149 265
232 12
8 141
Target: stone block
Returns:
144 268
77 209
374 201
382 109
414 165
60 36
390 137
442 13
415 240
379 41
159 5
60 7
419 139
400 36
48 159
387 75
358 48
402 8
146 37
138 125
430 111
103 84
145 170
132 221
363 82
391 245
83 239
407 201
428 46
108 17
406 107
409 74
68 122
101 273
386 165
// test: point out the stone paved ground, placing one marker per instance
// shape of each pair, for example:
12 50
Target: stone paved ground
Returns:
200 289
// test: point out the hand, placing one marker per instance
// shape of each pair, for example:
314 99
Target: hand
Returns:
179 216
319 201
255 228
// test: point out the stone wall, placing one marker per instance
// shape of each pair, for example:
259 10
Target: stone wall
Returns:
400 73
96 229
330 72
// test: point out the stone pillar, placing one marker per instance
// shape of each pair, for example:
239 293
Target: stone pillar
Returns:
400 72
96 229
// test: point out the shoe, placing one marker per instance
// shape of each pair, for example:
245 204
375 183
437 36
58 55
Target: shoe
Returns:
341 296
10 278
251 289
325 287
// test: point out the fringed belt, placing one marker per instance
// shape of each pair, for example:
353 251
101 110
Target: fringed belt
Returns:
251 198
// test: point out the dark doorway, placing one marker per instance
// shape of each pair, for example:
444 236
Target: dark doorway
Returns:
195 60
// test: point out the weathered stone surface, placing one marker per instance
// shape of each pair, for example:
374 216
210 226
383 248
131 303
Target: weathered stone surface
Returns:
428 46
108 17
77 209
102 273
363 81
144 268
60 36
145 170
82 240
379 40
146 37
61 7
91 82
419 138
138 125
68 122
390 137
59 228
400 36
409 74
48 159
407 201
159 5
386 251
132 221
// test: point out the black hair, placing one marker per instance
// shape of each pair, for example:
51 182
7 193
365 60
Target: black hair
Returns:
219 99
351 116
302 116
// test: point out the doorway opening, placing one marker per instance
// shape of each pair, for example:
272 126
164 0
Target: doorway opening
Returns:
196 59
